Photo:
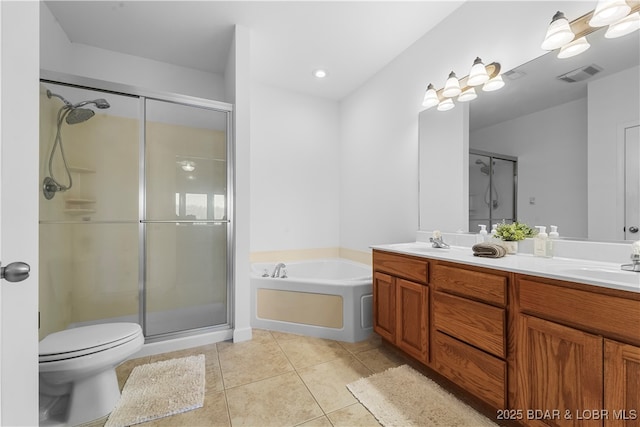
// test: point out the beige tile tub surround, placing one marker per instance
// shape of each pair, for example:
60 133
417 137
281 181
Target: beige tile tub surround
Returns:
279 379
300 307
315 253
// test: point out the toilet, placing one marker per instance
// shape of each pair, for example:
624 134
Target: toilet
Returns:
77 376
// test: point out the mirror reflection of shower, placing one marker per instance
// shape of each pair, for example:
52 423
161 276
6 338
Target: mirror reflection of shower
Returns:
492 188
491 194
72 114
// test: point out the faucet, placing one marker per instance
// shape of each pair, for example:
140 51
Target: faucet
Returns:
437 242
635 264
276 271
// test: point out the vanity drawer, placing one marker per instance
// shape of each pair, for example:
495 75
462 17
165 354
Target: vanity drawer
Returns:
477 372
478 324
401 266
480 285
608 315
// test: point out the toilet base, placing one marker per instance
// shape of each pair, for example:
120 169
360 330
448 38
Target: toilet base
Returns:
90 399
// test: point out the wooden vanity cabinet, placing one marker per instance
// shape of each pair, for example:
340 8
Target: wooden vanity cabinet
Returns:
578 360
401 302
469 329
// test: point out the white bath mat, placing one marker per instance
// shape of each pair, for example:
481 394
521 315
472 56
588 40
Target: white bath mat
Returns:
403 397
160 389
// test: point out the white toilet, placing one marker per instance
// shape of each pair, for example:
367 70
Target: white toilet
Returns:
77 371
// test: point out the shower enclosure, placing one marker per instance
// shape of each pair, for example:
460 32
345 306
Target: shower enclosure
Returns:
493 183
135 209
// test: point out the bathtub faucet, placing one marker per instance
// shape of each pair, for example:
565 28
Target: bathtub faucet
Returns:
276 271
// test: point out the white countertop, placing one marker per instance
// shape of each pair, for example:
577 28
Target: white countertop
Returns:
605 274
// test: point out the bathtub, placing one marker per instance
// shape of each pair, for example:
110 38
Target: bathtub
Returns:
325 298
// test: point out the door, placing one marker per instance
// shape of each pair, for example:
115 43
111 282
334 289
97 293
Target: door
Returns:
632 183
621 384
19 74
412 318
384 306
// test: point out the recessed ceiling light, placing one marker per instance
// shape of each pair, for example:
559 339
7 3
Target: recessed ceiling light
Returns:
320 73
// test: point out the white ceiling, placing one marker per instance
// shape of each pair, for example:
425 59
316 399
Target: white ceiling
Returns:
352 40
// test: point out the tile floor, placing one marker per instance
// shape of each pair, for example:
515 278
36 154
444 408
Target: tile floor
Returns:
278 379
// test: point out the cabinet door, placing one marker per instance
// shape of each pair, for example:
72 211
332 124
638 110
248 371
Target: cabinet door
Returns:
412 317
621 384
560 370
384 306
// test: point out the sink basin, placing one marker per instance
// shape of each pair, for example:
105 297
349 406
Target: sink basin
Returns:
605 274
417 247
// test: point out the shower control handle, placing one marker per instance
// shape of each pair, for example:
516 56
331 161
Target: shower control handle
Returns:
633 229
15 272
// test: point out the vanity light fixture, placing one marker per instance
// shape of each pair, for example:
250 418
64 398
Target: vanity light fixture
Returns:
618 14
446 105
574 48
468 95
609 12
478 74
430 97
559 32
624 26
452 86
465 88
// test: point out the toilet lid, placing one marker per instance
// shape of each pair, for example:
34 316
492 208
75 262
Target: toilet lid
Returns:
77 342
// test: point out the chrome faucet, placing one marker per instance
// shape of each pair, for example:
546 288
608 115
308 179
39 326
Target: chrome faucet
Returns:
635 264
276 271
437 242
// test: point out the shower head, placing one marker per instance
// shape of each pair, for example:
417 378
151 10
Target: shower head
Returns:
480 162
99 103
79 115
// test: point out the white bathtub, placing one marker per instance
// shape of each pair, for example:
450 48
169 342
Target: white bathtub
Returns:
326 298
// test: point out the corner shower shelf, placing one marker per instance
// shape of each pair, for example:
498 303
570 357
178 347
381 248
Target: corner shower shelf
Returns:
79 211
81 170
80 201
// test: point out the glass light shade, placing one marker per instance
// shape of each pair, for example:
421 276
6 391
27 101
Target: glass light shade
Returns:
451 87
430 97
468 95
558 34
493 84
574 48
609 11
446 105
623 27
478 74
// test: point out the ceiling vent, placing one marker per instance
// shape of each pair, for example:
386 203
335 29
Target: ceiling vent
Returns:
514 74
580 74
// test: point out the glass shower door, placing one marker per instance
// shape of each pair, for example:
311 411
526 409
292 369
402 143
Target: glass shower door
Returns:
186 218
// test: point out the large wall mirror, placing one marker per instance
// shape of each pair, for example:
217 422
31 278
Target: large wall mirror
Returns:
573 126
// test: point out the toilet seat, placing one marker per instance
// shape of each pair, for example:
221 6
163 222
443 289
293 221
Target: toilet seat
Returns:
85 340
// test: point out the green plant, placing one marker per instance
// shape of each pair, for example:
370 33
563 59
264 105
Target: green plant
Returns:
514 231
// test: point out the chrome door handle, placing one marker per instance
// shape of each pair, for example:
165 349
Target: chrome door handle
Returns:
15 272
633 229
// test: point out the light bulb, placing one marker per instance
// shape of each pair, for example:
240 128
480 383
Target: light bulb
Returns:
446 105
623 27
451 87
558 34
478 74
493 84
430 97
609 11
468 95
574 48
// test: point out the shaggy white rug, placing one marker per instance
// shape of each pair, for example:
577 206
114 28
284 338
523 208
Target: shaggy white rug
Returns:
403 397
160 389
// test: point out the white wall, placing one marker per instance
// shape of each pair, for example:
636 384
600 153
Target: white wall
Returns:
613 104
379 191
57 53
557 181
295 173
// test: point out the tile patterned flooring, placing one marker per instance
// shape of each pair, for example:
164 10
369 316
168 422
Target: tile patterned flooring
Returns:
278 379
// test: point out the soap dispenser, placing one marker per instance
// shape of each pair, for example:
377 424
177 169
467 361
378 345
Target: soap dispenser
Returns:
494 230
482 235
542 243
553 234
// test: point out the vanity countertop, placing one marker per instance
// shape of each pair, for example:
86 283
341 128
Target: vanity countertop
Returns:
605 274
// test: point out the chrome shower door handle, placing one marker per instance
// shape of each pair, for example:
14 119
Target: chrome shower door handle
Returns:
633 229
15 272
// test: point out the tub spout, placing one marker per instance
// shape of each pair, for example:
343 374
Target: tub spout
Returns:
276 271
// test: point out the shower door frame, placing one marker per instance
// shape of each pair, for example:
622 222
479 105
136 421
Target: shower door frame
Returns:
513 159
47 76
